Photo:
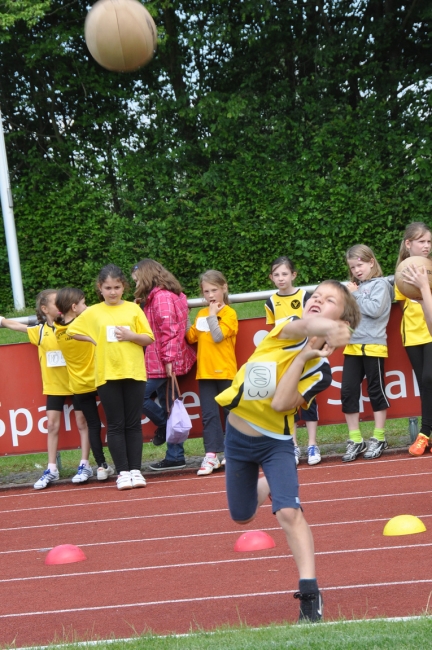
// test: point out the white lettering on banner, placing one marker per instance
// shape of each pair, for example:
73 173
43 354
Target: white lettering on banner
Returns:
194 403
400 382
336 384
66 411
43 421
13 415
416 386
2 428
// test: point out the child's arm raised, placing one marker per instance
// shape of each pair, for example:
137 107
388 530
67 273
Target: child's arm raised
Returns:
334 332
13 325
287 395
417 276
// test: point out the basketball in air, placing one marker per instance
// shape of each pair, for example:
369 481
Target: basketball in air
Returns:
409 290
120 34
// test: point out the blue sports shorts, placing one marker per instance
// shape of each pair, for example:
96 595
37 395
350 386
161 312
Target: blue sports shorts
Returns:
244 456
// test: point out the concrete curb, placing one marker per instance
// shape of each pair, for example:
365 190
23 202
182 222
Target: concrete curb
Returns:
193 463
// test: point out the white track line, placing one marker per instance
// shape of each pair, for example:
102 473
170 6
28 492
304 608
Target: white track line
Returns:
237 560
202 512
178 601
204 494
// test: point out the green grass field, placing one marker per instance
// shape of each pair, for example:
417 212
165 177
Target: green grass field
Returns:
343 635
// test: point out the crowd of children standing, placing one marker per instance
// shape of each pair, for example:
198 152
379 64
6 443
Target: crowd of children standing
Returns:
94 352
97 353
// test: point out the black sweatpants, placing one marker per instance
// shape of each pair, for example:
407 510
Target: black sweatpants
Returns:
86 402
421 361
122 400
354 370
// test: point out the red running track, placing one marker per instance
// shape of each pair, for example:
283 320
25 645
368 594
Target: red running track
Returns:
162 558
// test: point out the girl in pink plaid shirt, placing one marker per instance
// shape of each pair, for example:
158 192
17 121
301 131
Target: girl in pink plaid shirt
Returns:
165 306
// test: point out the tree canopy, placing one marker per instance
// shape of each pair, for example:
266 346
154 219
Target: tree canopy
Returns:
260 128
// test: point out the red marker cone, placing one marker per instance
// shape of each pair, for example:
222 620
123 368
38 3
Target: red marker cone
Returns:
65 554
254 540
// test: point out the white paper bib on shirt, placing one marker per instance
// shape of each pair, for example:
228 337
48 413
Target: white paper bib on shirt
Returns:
55 359
111 337
259 380
202 324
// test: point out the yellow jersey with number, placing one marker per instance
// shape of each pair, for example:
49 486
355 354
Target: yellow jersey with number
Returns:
215 360
55 378
80 360
316 377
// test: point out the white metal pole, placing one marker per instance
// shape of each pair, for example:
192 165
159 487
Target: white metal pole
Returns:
9 225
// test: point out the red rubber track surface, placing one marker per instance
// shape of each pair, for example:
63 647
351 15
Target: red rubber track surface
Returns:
162 558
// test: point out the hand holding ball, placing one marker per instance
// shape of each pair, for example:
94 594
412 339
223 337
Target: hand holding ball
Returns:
408 281
120 34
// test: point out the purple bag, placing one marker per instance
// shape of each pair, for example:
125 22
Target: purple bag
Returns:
179 423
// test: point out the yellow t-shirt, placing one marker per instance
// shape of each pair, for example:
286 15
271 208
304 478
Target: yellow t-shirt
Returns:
80 360
316 377
366 350
114 359
55 378
215 360
413 326
279 308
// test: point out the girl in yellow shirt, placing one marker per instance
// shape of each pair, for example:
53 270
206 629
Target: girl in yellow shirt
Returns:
119 330
55 383
215 330
80 361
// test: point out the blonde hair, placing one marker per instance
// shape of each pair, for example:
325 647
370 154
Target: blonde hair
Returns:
415 230
218 279
150 274
351 312
364 254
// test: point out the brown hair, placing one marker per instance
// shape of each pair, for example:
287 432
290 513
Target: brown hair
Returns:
150 274
283 260
110 271
351 312
218 279
42 300
415 230
65 298
364 254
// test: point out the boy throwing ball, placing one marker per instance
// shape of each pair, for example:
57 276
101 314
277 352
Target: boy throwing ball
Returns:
287 370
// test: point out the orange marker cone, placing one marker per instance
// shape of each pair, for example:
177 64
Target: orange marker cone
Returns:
65 554
254 540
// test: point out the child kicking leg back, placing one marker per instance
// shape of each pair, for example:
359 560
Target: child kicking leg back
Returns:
293 356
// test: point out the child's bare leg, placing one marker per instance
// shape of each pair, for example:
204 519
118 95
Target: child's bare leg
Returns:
84 435
263 490
294 435
300 540
53 426
312 432
352 420
380 418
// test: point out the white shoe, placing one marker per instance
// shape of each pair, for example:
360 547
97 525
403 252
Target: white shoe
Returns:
83 474
314 456
104 472
137 479
223 462
208 465
297 454
47 477
124 481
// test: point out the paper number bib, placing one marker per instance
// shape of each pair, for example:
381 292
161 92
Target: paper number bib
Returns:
55 359
111 337
259 380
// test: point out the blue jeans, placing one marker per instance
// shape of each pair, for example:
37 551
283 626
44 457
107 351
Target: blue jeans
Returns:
158 414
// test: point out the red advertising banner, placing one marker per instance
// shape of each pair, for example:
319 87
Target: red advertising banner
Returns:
22 405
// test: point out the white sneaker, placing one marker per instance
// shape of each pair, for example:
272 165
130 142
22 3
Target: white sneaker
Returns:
47 477
208 465
314 456
83 474
297 454
104 472
124 481
223 462
137 479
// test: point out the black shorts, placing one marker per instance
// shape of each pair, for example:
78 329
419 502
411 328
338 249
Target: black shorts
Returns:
56 402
